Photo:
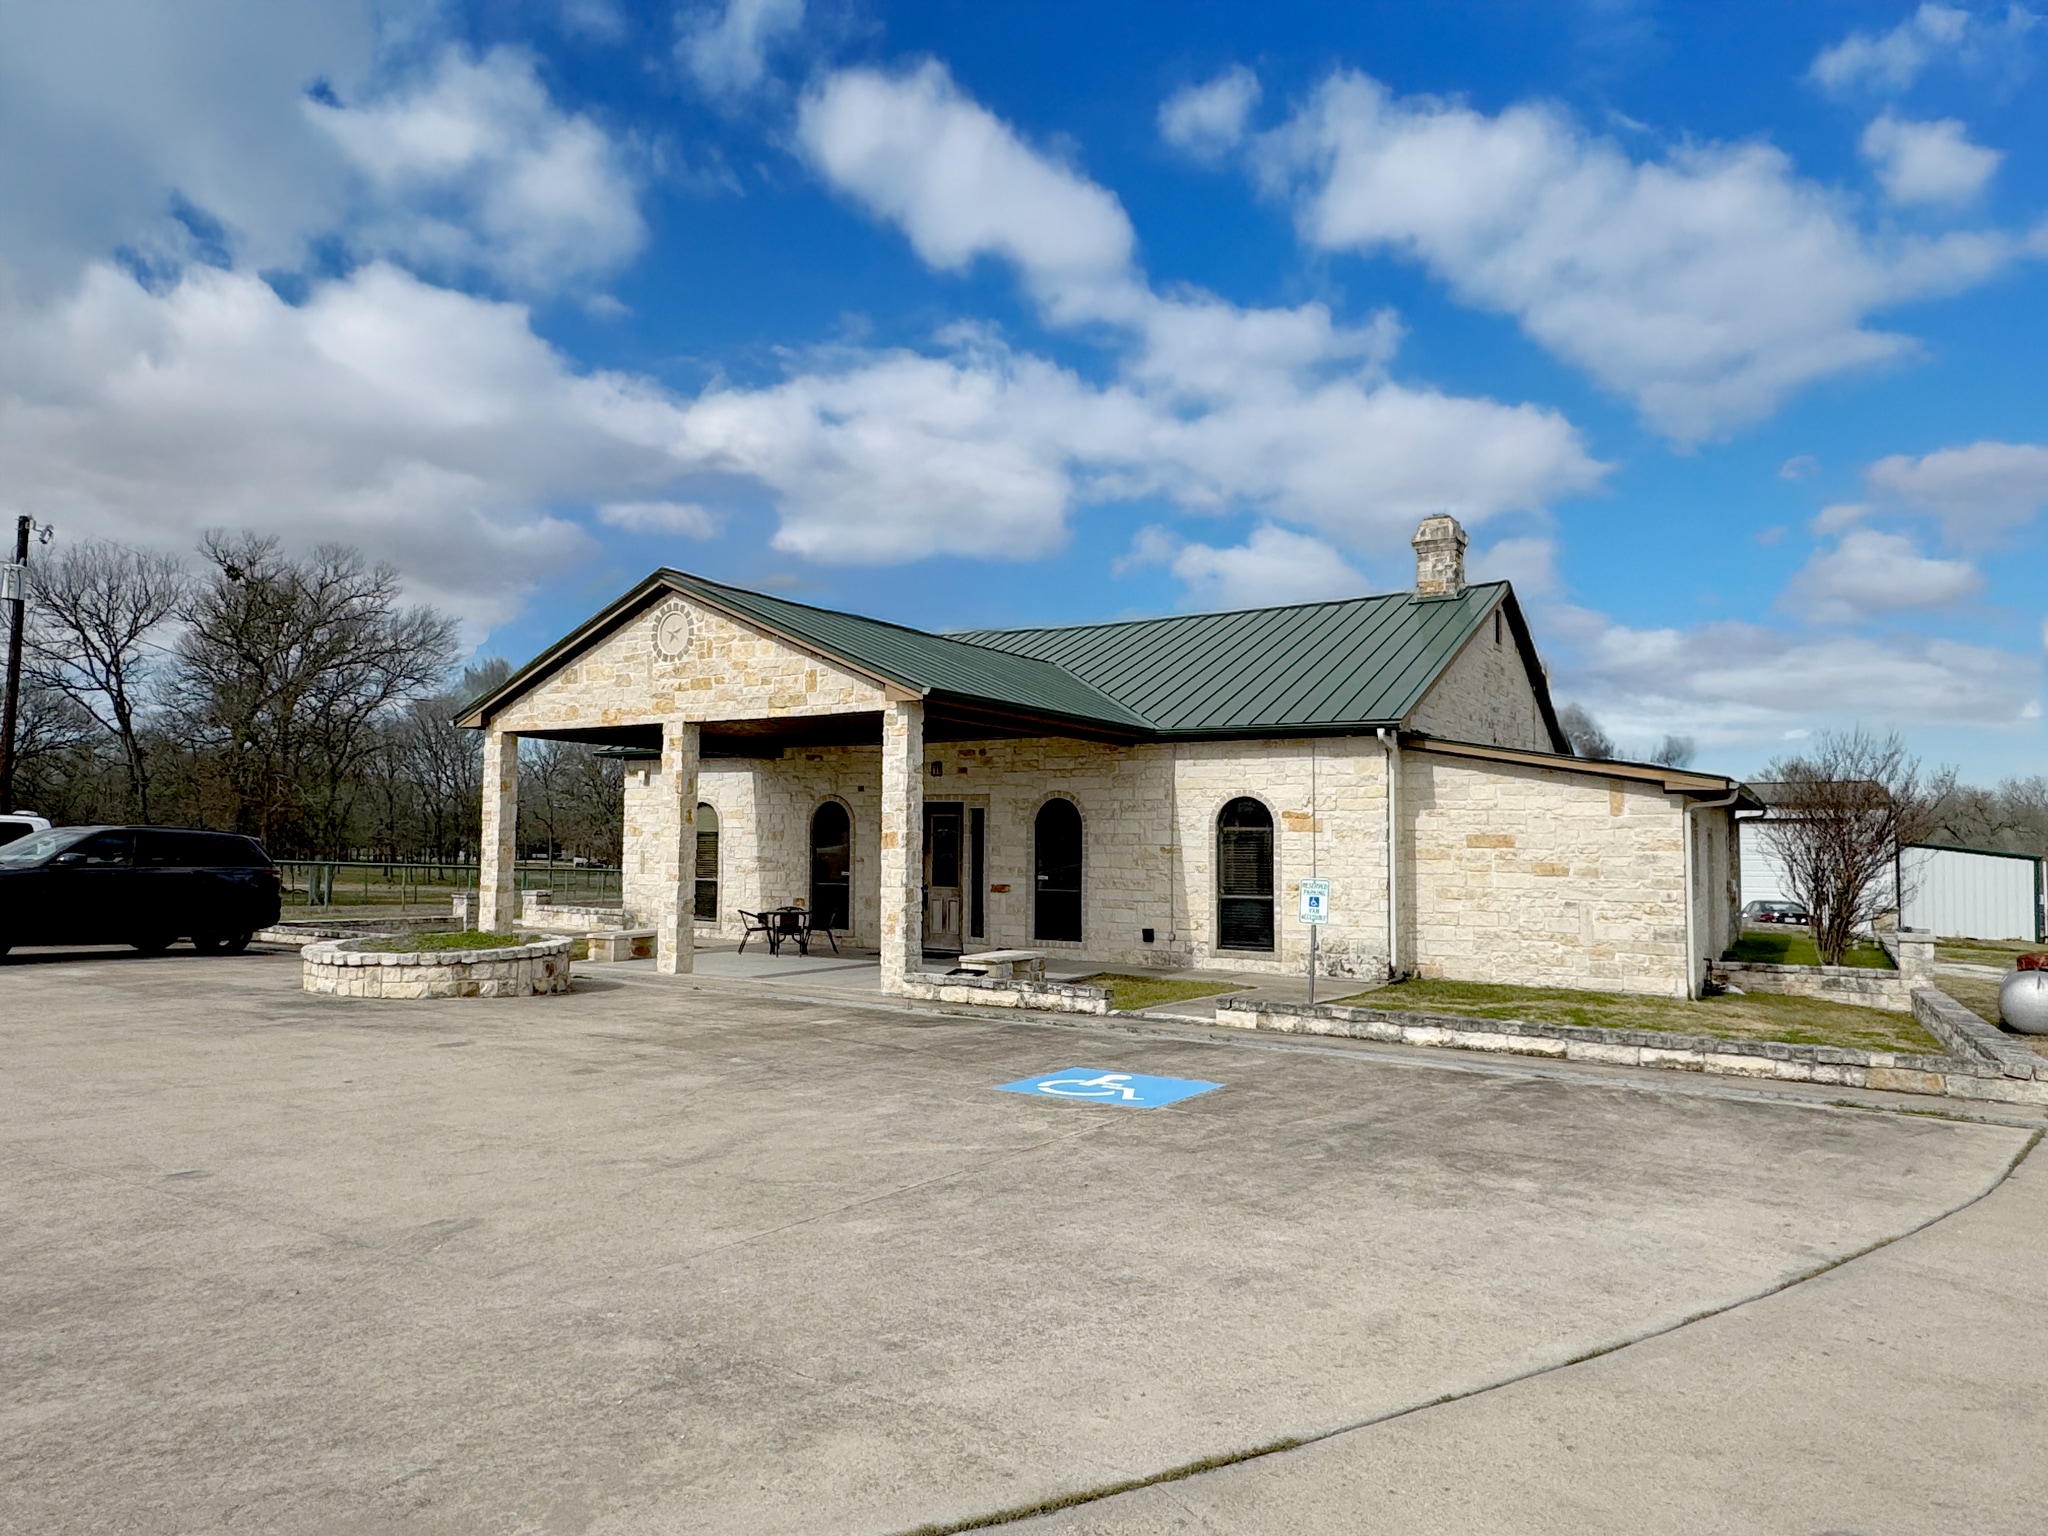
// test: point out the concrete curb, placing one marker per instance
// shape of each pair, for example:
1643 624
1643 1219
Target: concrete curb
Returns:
1954 1076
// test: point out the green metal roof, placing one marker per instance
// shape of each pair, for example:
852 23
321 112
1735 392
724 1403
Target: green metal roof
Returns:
1357 664
929 663
1366 661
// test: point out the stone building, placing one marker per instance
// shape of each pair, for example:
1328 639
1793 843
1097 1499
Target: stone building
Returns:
1145 794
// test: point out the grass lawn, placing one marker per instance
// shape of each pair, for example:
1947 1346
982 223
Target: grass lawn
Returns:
408 943
1794 946
1128 993
1984 951
1755 1016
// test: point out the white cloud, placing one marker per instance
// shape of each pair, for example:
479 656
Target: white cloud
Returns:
1529 562
1274 566
1206 120
1735 683
1977 492
1891 61
110 109
472 167
684 517
1927 162
1870 572
961 184
1840 515
1214 406
429 427
1705 286
726 48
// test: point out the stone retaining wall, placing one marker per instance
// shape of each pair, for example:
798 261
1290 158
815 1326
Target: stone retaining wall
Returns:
1947 1076
1967 1036
1861 986
537 909
989 992
525 970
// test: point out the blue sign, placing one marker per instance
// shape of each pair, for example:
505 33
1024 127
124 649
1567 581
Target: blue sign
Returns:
1129 1090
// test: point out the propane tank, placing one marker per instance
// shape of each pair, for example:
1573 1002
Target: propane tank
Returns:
2023 996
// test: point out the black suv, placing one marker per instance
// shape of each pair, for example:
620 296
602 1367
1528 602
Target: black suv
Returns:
144 886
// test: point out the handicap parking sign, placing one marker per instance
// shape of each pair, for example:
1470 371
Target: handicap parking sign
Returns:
1127 1090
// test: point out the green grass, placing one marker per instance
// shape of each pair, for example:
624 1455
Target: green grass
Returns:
1755 1016
408 943
1984 951
1129 993
1795 947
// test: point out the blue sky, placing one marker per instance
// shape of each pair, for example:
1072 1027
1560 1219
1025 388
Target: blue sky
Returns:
1720 327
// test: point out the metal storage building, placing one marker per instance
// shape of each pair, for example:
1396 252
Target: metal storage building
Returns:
1972 893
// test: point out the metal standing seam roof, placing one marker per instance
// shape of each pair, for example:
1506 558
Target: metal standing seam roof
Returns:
1361 662
932 663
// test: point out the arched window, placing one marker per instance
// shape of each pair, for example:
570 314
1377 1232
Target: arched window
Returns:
707 864
1244 876
831 867
1057 912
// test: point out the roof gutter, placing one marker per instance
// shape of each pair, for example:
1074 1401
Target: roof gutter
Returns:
1391 742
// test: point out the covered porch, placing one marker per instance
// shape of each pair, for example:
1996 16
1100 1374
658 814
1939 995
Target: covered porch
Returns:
877 822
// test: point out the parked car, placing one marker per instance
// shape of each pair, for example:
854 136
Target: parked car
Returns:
143 886
1787 912
18 824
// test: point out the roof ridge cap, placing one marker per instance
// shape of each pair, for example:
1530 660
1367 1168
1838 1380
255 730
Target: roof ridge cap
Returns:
1207 613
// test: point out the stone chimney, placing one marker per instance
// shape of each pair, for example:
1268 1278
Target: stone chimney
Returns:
1439 557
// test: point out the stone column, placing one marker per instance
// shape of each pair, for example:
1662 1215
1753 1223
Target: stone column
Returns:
675 839
497 904
902 842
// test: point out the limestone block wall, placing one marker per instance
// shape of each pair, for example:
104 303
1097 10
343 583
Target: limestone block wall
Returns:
1485 695
1149 827
722 671
1328 798
1535 877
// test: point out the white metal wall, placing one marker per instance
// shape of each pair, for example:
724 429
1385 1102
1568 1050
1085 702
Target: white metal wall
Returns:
1763 872
1959 893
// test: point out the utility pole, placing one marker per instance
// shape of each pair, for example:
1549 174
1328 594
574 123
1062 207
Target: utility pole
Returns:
13 589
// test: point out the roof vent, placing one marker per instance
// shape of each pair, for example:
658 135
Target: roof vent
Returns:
1439 557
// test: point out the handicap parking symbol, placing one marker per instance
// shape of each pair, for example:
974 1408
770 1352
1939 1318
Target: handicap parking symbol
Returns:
1127 1090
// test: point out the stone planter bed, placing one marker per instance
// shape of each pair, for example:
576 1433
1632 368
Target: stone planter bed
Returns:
1978 1067
342 968
1004 992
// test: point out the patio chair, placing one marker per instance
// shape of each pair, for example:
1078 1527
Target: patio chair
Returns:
752 923
785 924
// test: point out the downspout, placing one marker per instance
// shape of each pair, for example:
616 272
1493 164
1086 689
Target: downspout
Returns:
1693 968
1391 741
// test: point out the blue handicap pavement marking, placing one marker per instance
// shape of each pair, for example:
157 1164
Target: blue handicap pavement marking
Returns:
1091 1085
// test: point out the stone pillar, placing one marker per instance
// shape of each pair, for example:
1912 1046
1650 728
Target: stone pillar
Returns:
1439 556
902 936
675 840
497 907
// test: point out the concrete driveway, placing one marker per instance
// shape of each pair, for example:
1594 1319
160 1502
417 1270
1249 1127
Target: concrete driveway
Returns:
674 1257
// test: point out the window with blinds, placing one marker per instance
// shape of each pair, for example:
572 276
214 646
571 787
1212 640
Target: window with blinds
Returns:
1244 876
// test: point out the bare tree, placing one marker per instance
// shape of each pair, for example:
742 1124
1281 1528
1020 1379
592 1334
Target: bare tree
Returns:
288 669
1840 813
1584 732
97 609
2013 818
1674 751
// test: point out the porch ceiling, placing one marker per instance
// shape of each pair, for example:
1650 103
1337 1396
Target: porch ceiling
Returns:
946 720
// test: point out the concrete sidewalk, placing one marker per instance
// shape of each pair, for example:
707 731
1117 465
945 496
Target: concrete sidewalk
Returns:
676 1255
